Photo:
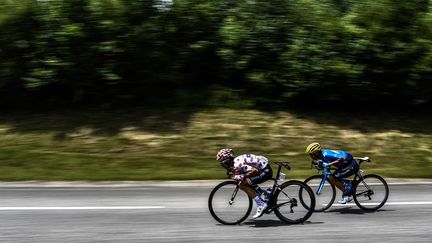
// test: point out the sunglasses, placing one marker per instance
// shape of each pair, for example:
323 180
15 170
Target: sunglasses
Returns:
224 161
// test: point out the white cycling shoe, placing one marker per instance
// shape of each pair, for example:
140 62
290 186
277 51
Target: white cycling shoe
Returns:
345 199
260 210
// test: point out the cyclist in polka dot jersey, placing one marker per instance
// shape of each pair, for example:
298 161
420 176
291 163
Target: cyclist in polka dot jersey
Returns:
250 163
248 170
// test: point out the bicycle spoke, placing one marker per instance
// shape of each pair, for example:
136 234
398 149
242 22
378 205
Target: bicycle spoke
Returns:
371 193
288 207
324 197
284 193
228 204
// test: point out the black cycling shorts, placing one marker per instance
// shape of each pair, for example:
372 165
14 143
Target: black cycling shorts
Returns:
347 171
264 175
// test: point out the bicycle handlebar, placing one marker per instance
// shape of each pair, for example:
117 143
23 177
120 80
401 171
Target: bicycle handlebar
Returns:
319 166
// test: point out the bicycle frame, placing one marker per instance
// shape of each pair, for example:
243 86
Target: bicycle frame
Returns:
326 173
357 177
275 184
363 189
272 202
275 187
280 201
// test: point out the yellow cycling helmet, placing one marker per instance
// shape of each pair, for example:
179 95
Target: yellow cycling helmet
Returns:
313 147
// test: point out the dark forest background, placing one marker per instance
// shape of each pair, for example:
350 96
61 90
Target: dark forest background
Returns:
219 52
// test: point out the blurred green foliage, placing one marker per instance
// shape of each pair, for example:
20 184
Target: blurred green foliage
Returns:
173 144
107 51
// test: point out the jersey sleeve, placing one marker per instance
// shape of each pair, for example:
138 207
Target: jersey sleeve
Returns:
332 155
263 162
241 167
247 162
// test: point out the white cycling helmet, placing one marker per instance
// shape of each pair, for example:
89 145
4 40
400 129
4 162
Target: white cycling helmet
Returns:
224 155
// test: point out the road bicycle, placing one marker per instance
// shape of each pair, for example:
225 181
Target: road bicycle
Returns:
370 192
229 205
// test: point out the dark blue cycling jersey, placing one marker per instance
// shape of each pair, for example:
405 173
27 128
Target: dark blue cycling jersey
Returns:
332 155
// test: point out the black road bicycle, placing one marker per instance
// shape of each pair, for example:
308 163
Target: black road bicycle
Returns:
370 192
229 205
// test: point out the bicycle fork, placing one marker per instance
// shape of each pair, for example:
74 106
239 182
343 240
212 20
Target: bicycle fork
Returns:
321 185
231 201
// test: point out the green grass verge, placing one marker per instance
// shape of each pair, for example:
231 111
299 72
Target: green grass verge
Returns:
144 144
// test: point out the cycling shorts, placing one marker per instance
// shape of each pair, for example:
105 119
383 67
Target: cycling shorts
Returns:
264 175
347 171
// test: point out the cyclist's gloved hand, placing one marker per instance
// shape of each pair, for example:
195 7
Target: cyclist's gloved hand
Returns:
238 177
325 165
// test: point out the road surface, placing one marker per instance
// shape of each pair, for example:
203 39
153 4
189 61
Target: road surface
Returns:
177 212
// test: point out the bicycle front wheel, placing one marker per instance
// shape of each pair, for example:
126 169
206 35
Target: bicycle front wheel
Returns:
228 204
325 196
288 206
371 192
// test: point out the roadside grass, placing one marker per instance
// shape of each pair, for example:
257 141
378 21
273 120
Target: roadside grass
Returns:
170 144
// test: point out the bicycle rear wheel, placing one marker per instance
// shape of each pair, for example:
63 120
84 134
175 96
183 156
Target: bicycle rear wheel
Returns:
228 204
326 197
371 192
288 208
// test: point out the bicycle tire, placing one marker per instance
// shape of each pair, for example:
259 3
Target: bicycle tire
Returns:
362 196
285 204
220 207
323 201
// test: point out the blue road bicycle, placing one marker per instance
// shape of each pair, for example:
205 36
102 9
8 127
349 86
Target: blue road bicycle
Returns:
370 192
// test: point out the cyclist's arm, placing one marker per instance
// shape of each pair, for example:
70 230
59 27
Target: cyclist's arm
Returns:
253 171
246 171
341 159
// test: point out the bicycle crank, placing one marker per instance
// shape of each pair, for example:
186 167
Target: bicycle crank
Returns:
293 204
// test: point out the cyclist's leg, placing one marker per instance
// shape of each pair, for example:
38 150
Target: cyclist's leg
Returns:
264 175
336 181
246 187
345 173
340 184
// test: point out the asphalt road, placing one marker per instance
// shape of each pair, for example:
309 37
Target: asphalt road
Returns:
177 212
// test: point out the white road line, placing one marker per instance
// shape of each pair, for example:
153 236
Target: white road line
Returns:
387 203
410 183
390 184
77 189
147 186
82 208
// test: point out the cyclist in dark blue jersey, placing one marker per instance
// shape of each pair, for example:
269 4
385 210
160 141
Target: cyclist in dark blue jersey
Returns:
344 162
